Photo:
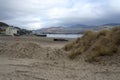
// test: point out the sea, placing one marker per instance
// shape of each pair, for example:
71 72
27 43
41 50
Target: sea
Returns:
64 35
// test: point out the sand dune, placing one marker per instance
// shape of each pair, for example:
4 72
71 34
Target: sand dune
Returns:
33 58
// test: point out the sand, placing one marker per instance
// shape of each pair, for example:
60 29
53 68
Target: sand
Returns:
36 58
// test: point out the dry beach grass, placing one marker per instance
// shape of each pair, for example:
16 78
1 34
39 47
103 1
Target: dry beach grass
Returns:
95 44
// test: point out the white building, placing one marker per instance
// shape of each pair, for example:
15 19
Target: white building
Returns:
11 31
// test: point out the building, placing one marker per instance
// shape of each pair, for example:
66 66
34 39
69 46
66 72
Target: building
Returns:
11 31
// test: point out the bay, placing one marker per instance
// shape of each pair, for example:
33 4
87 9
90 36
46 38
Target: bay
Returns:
64 35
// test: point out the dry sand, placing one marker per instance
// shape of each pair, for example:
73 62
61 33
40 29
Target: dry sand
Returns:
34 58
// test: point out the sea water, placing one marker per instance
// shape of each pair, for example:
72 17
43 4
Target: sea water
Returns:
64 35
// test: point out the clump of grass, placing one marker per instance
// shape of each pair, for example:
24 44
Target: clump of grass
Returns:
94 44
74 53
102 47
105 32
69 46
81 44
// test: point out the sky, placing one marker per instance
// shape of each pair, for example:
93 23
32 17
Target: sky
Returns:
36 14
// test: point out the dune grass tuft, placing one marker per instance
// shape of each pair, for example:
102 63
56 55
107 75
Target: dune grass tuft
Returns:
95 44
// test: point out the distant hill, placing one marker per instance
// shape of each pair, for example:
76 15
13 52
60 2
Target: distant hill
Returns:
80 25
111 24
75 28
3 27
3 24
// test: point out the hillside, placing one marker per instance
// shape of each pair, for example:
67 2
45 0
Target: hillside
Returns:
3 24
111 24
95 44
3 27
74 28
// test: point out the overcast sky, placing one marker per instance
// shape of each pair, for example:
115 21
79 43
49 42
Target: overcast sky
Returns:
35 14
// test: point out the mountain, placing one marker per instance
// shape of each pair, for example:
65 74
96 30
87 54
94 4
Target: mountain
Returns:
50 30
111 24
80 25
3 24
75 28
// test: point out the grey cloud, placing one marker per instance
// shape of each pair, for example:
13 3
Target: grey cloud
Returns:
25 12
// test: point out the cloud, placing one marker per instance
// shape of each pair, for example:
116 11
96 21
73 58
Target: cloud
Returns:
35 14
91 12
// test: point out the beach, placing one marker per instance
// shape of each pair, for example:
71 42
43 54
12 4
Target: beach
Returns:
41 58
